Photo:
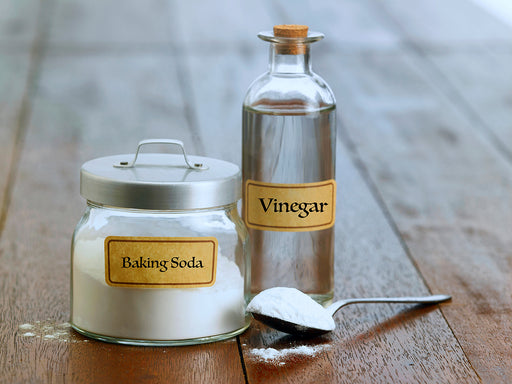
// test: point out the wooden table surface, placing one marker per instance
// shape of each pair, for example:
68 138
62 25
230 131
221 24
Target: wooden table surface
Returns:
424 170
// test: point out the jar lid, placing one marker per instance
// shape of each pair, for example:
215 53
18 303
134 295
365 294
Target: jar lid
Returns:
160 181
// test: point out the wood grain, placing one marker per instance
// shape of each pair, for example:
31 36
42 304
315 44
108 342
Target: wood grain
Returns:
205 26
69 357
346 24
437 24
472 187
482 87
12 99
423 168
111 25
442 182
18 24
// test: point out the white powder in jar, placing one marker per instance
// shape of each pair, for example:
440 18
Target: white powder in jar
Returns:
153 313
291 305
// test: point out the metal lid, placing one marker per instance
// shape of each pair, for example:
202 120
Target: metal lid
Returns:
160 181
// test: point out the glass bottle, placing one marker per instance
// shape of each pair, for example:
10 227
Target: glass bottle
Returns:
288 169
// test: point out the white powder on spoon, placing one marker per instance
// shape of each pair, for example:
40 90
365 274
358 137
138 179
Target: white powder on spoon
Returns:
290 304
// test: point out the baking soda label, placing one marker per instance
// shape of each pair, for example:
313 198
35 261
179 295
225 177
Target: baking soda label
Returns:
160 262
290 207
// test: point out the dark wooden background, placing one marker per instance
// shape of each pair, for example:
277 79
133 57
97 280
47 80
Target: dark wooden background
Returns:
424 171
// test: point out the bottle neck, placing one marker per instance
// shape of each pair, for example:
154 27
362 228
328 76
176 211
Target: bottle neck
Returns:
281 61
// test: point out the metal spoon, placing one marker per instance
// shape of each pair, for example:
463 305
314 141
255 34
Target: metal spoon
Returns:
303 330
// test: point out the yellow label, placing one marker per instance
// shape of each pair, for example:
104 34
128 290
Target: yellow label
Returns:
290 207
160 262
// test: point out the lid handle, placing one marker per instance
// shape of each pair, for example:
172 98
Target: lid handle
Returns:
126 164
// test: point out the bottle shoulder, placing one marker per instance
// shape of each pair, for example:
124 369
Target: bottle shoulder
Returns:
306 89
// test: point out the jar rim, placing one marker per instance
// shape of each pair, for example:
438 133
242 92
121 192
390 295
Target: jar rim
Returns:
94 204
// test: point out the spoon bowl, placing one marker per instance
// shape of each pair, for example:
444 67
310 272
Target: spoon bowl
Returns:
294 324
289 327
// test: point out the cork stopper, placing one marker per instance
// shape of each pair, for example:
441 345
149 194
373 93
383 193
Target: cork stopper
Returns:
291 31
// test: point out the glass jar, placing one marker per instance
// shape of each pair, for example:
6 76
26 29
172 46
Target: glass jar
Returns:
288 169
160 254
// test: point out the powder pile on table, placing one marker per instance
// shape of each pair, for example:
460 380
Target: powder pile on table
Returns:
48 330
272 354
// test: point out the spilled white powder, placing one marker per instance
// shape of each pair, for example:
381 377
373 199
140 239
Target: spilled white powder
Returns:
49 330
272 354
292 305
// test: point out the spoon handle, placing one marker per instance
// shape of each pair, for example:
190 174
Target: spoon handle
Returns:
334 307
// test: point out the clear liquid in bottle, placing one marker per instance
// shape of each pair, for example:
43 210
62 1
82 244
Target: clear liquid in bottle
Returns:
290 149
289 141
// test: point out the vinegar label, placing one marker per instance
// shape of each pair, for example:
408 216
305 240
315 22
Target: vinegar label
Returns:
290 207
160 262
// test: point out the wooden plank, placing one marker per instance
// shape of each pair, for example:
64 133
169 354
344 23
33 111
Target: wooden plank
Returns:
18 23
85 106
346 24
110 102
445 23
212 363
206 25
481 81
218 99
13 82
110 24
18 51
70 358
447 189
